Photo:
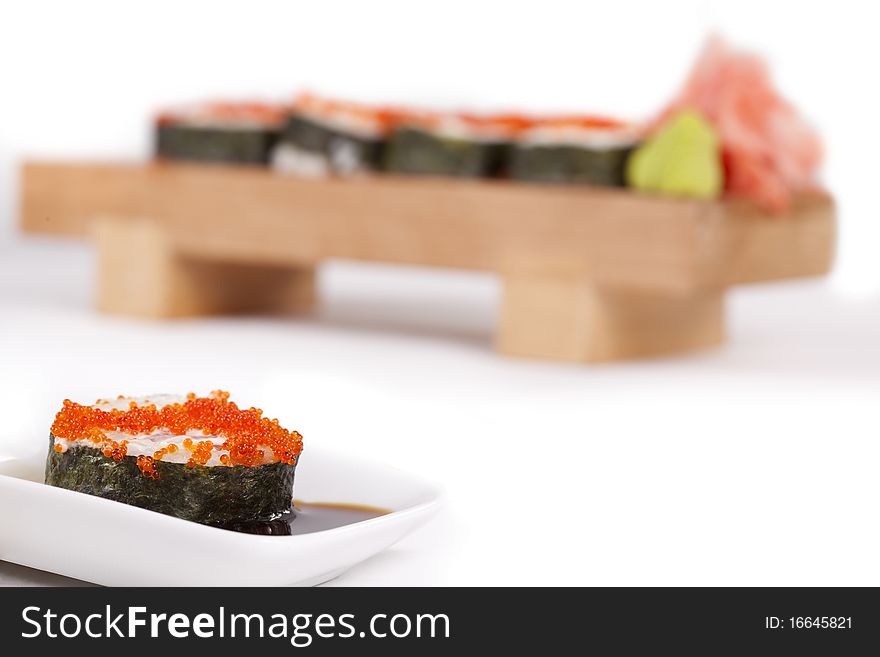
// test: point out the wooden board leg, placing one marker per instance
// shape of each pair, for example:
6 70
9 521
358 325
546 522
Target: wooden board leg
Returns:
141 274
564 316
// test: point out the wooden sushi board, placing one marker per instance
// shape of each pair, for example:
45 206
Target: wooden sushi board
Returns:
588 274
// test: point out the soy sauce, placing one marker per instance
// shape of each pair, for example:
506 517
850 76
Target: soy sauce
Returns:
307 518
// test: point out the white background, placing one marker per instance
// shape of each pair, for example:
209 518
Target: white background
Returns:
752 464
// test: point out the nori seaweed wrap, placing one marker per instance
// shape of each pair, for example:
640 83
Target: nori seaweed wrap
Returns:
232 133
573 150
460 145
323 137
420 152
197 458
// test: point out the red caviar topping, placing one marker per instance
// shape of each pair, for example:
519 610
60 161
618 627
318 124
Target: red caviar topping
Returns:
200 453
147 467
114 450
246 434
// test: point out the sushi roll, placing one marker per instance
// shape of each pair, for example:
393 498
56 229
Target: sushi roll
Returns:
235 133
589 150
198 458
461 145
324 137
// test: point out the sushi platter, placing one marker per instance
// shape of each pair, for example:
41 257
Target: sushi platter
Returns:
588 274
124 476
612 239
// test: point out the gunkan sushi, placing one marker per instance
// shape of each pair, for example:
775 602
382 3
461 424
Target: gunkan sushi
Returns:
462 145
324 136
589 150
234 133
198 458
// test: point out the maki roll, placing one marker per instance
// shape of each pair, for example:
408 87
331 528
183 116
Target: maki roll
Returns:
460 145
198 458
325 136
236 133
589 150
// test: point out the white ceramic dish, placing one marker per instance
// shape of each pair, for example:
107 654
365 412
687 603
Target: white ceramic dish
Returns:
115 544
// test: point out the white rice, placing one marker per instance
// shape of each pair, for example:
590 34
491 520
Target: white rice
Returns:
574 135
287 158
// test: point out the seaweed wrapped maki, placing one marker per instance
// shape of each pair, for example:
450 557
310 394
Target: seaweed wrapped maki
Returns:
234 133
198 458
589 150
323 137
461 145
